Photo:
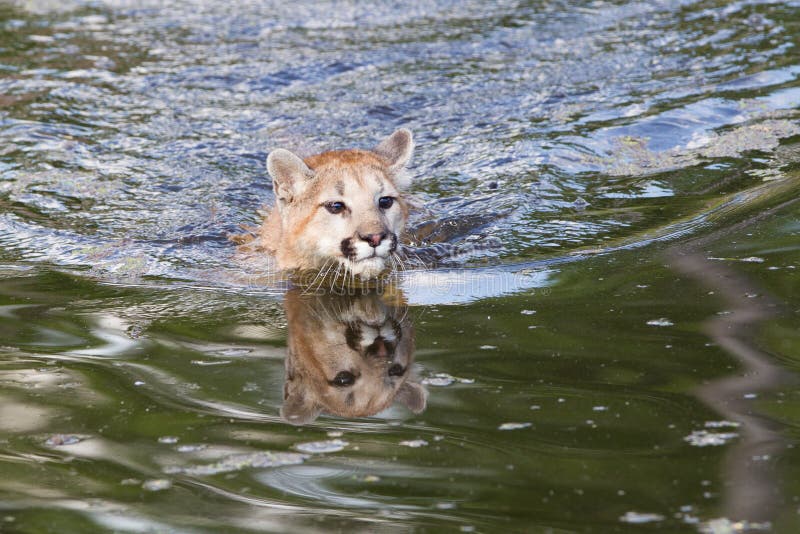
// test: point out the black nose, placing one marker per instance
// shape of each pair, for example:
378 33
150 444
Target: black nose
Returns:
373 239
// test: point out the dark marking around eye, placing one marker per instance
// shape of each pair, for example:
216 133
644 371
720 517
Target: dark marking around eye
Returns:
335 206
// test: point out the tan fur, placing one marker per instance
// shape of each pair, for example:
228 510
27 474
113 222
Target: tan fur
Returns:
364 335
301 233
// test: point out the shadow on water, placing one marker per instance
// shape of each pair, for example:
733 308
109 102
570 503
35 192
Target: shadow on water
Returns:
751 477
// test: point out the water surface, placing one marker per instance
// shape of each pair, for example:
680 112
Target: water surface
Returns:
613 348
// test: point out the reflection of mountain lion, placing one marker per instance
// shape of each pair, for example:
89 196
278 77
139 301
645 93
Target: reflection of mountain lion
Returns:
341 211
348 356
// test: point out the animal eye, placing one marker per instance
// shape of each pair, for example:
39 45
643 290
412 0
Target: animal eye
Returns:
343 379
385 203
334 207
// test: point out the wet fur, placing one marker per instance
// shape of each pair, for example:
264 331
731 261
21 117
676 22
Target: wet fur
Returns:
302 235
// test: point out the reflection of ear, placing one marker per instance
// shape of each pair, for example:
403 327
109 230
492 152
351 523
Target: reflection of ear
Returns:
298 409
413 396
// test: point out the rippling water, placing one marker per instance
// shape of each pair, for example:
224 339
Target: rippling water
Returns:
604 169
135 135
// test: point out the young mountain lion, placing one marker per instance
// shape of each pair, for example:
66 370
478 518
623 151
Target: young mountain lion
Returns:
339 213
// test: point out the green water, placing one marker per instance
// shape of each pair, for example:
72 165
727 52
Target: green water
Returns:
611 345
610 401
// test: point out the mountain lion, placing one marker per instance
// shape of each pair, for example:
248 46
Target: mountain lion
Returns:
339 213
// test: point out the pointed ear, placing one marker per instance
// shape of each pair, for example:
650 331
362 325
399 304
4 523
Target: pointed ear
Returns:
289 175
298 409
413 396
396 149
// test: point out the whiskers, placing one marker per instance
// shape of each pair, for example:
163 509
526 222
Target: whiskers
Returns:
410 259
398 263
320 276
333 276
339 277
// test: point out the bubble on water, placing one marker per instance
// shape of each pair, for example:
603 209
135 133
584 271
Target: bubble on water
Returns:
58 440
599 408
439 379
662 321
206 363
721 424
752 259
528 312
704 438
41 38
371 478
139 383
168 439
335 434
190 448
724 525
235 352
414 443
444 379
157 484
514 426
238 462
580 204
487 347
638 517
320 447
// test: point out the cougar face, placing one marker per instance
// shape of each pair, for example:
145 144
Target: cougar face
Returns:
342 211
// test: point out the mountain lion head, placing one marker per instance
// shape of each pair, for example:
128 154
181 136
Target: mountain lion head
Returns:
348 355
340 212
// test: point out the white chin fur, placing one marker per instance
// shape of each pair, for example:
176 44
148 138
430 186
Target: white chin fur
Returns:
368 268
363 250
